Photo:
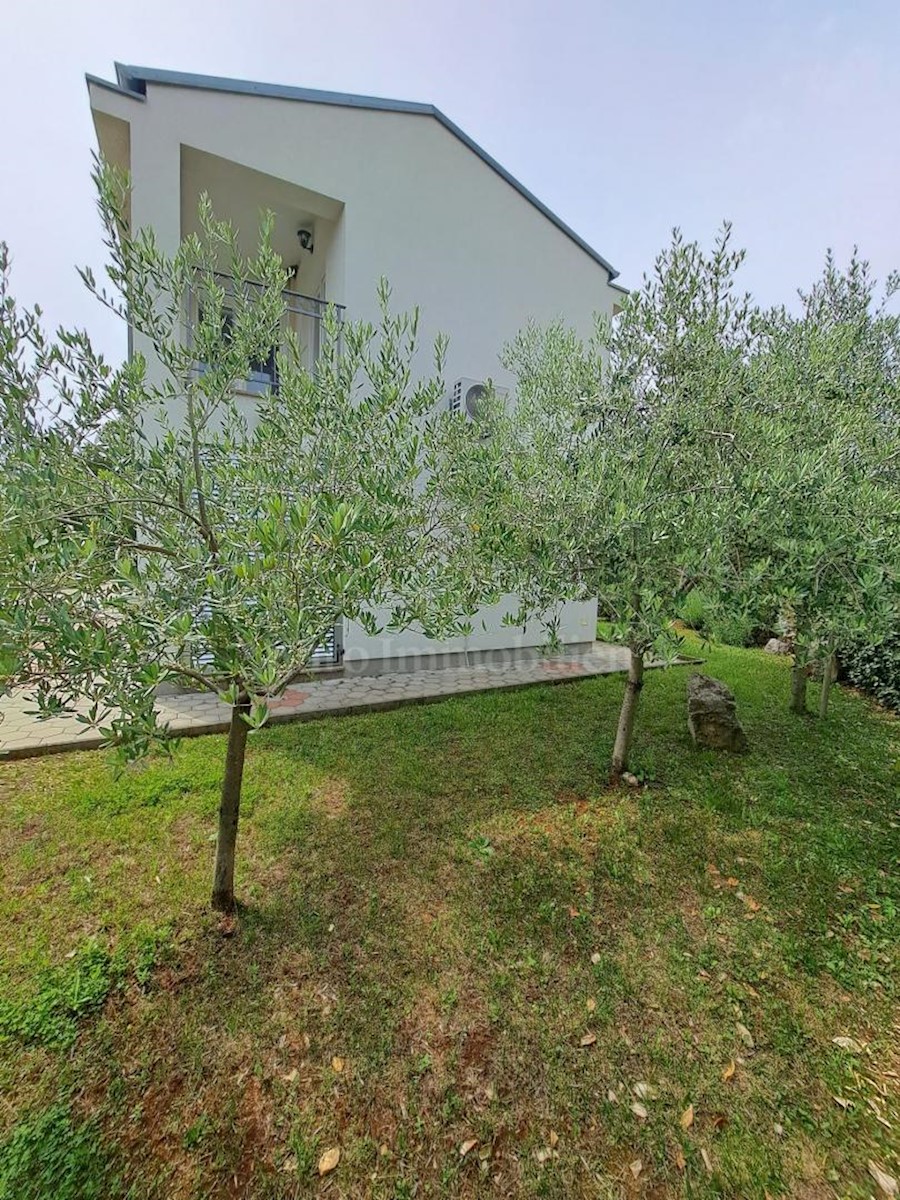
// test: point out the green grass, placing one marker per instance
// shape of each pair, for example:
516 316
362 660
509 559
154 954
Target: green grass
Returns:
441 903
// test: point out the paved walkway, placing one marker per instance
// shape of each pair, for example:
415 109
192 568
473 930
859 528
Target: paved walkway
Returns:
22 736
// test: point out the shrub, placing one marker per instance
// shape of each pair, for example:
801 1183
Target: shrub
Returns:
695 610
735 629
875 669
700 611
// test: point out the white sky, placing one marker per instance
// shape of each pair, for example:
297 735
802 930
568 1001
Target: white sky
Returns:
625 117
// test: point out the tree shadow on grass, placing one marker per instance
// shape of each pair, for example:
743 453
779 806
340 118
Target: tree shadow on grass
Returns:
432 895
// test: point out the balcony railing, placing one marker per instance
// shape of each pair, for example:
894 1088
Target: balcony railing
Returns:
303 315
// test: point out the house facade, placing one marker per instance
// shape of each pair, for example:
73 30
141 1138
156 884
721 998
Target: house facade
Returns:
360 189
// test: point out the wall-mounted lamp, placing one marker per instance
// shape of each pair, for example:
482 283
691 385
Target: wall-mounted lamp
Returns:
305 237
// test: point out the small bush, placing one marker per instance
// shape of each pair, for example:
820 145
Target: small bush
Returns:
695 610
49 1154
733 630
874 670
700 611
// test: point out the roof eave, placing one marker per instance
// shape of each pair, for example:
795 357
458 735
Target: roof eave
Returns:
133 81
108 86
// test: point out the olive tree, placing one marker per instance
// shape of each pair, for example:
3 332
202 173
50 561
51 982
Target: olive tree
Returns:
610 477
819 474
158 531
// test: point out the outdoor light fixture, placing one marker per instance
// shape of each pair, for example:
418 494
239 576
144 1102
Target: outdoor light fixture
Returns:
306 239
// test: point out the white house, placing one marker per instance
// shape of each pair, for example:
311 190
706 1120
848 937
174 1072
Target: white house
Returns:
362 188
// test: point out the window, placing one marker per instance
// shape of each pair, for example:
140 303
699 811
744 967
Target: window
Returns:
263 373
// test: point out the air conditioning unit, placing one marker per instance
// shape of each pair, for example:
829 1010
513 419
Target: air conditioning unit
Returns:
466 395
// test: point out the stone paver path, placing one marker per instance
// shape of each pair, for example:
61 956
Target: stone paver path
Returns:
22 736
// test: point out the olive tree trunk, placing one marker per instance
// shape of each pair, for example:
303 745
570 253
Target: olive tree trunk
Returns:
622 747
799 675
829 674
229 810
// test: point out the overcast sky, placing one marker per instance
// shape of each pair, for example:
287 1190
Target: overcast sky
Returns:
625 117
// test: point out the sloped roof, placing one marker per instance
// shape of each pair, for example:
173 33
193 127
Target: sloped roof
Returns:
133 82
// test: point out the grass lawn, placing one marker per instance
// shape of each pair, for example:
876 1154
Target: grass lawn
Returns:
456 933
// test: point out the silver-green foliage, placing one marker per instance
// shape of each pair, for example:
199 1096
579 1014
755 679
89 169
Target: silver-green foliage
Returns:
817 524
180 540
155 530
611 476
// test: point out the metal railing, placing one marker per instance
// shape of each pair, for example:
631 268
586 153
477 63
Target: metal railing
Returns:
303 315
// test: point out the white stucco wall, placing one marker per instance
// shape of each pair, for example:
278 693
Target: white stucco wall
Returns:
577 626
419 207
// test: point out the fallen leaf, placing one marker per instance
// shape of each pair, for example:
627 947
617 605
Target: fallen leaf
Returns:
687 1117
543 1154
728 1072
554 1138
636 1167
573 911
719 1121
588 1039
329 1160
639 1111
645 1091
887 1183
731 881
595 957
745 1035
753 905
290 1163
612 1097
383 1150
779 1130
680 1160
468 1145
291 1076
848 1043
337 1064
590 1004
707 1161
842 1102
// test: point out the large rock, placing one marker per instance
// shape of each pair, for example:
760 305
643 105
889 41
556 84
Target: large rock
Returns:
712 715
777 646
